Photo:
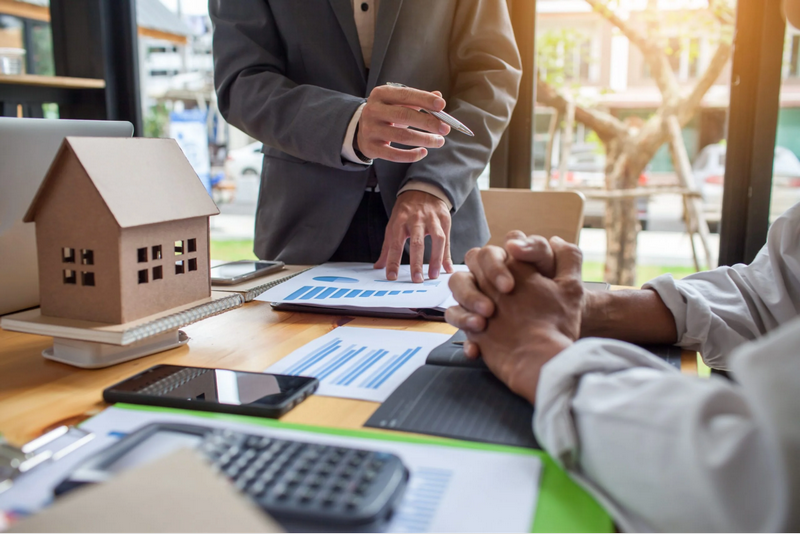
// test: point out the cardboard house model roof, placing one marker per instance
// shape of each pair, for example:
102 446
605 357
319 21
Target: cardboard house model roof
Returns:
121 230
142 181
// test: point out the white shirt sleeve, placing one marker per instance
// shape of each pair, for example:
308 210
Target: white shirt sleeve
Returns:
717 311
666 452
348 152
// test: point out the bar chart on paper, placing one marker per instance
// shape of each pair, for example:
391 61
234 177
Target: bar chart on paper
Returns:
360 363
359 285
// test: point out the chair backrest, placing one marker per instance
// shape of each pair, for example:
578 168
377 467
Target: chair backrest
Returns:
545 213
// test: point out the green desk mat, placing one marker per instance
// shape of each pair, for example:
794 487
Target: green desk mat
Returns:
563 505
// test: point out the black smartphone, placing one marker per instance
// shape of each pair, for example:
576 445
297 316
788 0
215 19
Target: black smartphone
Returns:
237 272
213 390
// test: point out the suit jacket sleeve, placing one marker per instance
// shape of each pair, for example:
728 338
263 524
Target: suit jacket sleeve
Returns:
256 96
486 71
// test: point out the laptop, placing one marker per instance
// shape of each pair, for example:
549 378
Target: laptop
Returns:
27 148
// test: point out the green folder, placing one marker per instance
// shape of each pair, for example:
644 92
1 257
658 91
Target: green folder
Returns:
563 505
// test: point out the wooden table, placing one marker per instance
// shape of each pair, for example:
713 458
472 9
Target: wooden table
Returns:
38 394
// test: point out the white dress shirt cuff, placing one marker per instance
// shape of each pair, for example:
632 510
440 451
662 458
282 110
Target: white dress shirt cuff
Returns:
558 383
427 187
348 152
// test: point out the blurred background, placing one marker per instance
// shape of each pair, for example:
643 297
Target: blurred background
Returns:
607 73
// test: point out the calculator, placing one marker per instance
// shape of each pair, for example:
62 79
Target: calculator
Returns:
304 486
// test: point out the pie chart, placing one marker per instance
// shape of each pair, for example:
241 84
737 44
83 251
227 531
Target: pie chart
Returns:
336 279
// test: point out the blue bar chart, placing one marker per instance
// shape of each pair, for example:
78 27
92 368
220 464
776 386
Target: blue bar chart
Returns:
422 500
325 292
357 285
362 363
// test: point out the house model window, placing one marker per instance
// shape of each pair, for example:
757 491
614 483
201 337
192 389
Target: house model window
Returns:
192 246
68 255
158 273
193 264
157 255
87 279
142 276
141 255
179 267
87 257
70 277
178 248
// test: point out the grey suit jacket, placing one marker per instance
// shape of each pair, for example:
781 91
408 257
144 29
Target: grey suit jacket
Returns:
290 73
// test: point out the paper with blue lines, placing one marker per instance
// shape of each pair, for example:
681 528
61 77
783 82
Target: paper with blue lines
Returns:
360 363
359 285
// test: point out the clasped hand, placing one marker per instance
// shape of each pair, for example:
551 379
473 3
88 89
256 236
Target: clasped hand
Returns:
520 306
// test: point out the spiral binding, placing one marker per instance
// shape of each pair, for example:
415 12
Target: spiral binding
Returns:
256 291
181 319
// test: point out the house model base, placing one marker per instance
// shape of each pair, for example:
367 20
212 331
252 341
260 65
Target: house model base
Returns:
91 355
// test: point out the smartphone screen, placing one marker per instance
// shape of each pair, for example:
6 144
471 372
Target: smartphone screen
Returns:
239 269
219 386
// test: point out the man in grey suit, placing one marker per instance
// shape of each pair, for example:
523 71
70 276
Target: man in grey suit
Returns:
351 179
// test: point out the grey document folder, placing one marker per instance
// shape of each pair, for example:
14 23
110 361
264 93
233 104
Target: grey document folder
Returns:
455 397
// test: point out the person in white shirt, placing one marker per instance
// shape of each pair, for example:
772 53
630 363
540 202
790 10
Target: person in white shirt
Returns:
661 450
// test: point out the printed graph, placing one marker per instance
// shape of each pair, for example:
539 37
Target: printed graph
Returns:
323 292
416 512
339 364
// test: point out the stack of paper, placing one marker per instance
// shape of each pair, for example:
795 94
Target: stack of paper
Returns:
360 363
358 286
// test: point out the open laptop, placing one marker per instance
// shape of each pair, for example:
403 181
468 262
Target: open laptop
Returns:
27 148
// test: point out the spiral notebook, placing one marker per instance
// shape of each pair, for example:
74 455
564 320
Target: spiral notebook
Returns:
253 288
33 322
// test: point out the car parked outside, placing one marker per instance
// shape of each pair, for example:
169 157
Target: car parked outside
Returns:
709 175
245 161
586 170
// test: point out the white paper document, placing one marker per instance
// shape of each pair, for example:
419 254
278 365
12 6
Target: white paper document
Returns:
360 363
451 489
359 285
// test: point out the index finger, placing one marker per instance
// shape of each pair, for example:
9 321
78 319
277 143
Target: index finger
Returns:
408 96
534 249
569 259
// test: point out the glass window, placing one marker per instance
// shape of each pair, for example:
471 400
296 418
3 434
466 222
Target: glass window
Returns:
647 235
12 45
786 166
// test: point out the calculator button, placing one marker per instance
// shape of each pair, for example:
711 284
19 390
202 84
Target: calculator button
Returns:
305 495
348 472
354 502
257 489
233 471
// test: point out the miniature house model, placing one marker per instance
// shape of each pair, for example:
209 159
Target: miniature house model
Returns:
121 230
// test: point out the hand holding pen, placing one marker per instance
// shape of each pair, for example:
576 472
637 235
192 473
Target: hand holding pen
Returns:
391 111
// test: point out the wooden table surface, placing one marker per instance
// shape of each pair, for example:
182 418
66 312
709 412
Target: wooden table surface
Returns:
38 394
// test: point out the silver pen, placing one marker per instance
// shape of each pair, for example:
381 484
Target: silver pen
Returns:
442 116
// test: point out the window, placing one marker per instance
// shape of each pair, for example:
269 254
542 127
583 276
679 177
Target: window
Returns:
87 279
87 257
794 57
578 60
193 264
70 277
158 273
192 245
179 267
157 252
141 255
178 248
68 255
142 276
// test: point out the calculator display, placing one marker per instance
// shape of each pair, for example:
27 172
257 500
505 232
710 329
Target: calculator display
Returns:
218 386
